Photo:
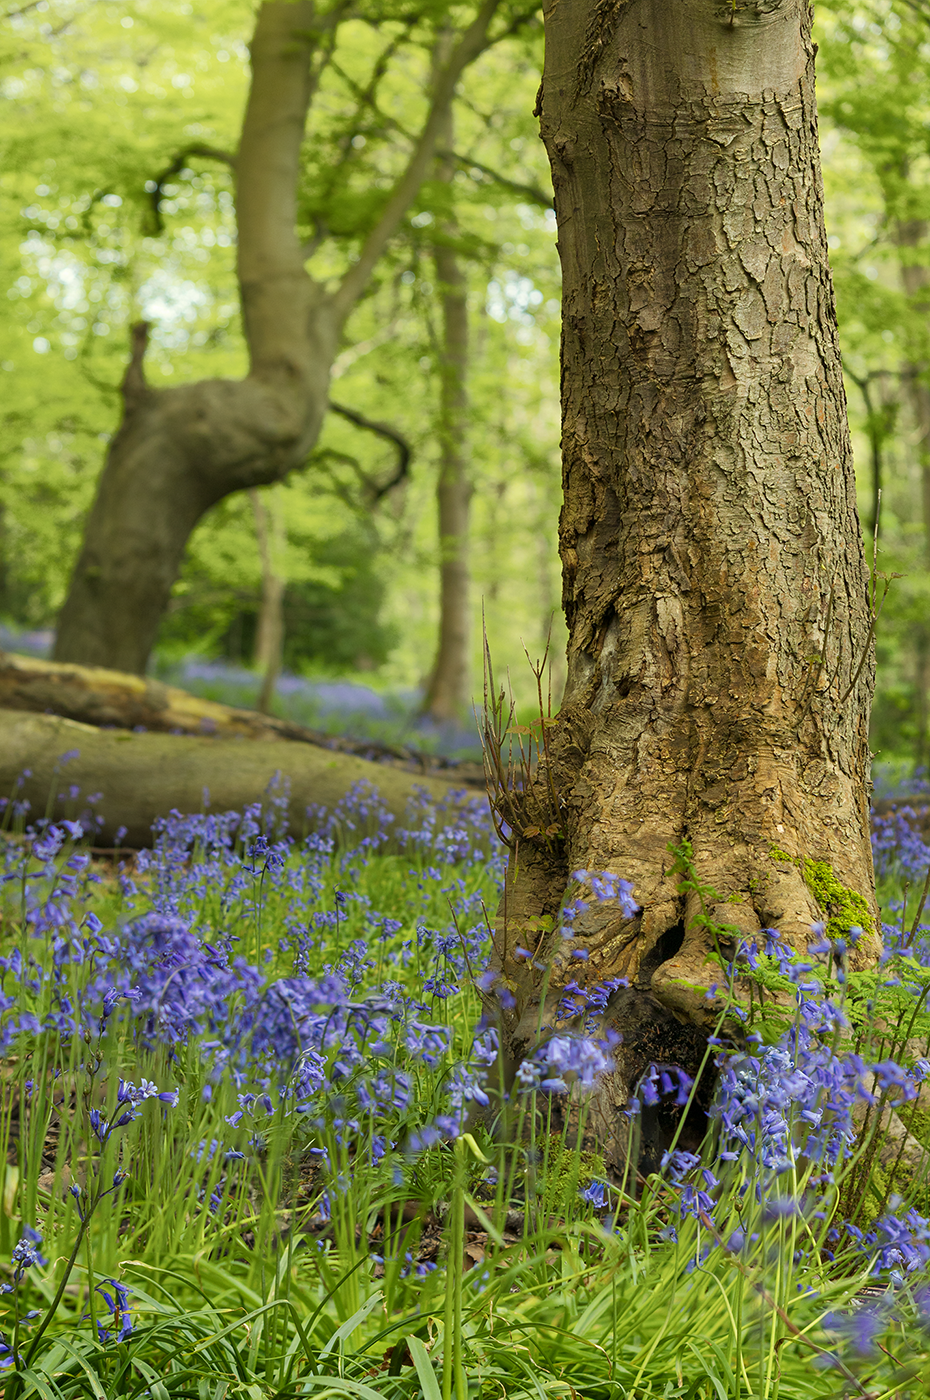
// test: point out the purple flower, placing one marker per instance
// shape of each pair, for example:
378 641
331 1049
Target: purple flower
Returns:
780 1208
595 1193
27 1252
679 1163
607 886
7 1359
859 1328
575 1057
117 1302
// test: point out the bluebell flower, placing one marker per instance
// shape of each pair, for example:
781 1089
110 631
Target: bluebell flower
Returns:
575 1057
595 1194
7 1359
781 1208
859 1328
27 1253
117 1302
678 1164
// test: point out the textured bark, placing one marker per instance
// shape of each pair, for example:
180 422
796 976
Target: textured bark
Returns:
179 451
145 776
448 693
709 538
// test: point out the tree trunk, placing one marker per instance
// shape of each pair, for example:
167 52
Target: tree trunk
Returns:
709 538
448 693
178 451
269 636
145 776
118 700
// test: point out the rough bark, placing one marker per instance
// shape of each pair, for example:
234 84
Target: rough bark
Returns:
448 692
118 700
178 451
715 588
144 776
269 635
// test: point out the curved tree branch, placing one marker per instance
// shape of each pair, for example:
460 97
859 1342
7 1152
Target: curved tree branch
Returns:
134 386
404 450
534 193
156 193
472 43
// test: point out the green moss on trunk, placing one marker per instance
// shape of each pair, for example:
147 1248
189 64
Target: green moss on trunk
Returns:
844 909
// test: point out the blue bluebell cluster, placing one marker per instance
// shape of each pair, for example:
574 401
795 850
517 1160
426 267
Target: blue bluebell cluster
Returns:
898 848
116 1297
27 1253
789 1115
256 965
328 1015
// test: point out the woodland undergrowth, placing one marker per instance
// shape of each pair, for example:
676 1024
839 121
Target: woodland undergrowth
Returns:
252 1149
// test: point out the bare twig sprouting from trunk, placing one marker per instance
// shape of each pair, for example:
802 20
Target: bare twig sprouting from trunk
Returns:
518 763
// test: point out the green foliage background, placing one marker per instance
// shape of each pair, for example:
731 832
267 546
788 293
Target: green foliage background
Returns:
97 100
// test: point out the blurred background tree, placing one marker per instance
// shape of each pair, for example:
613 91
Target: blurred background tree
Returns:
90 259
874 69
100 102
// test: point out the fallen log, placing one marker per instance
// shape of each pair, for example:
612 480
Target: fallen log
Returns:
117 699
144 776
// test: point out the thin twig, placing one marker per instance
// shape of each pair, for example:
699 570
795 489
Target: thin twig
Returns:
920 910
878 511
404 450
868 641
818 663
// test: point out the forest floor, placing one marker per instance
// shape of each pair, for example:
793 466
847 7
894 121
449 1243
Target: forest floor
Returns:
243 1159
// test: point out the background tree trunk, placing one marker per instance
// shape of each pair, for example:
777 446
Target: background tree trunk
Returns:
269 635
179 451
448 693
912 234
709 536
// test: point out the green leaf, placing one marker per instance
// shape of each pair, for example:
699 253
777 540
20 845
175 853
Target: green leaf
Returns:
345 1331
425 1371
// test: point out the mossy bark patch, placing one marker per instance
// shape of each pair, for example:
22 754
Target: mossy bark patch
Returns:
844 908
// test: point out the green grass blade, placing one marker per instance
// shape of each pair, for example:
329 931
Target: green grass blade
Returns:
428 1379
40 1386
349 1326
